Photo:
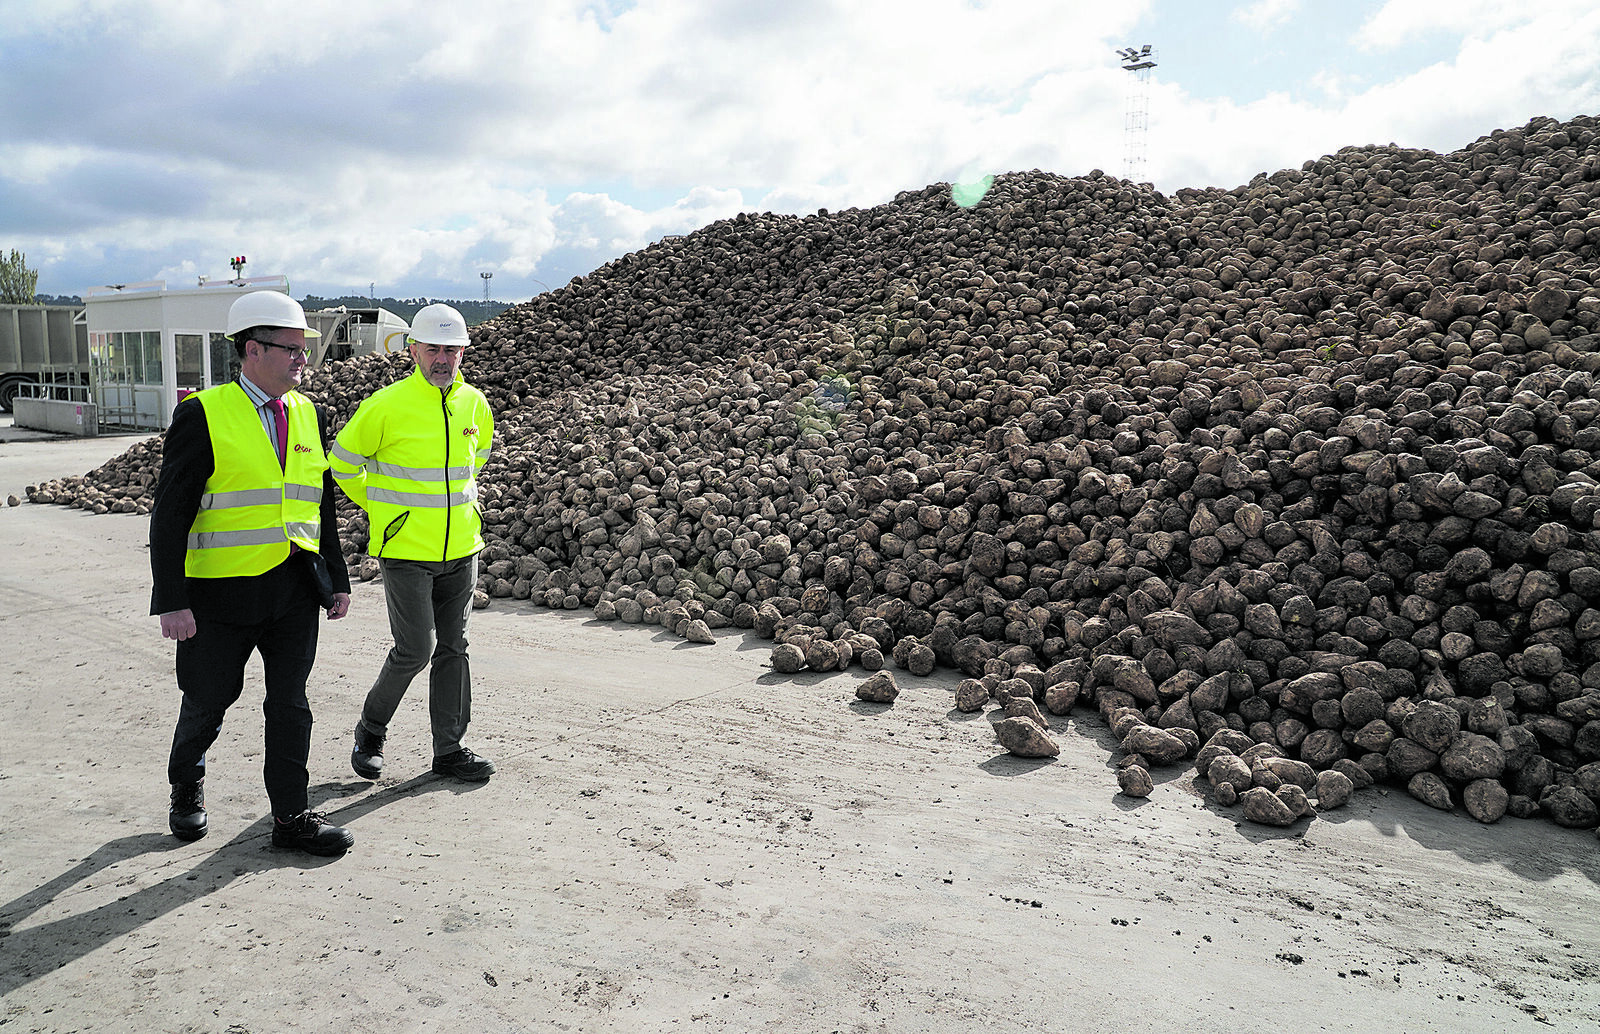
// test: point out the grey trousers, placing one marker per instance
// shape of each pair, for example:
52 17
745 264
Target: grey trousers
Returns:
428 606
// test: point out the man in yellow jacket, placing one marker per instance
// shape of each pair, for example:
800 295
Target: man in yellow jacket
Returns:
410 458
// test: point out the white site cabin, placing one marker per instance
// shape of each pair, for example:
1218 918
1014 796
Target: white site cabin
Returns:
151 345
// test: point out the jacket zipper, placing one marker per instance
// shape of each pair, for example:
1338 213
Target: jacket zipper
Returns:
444 407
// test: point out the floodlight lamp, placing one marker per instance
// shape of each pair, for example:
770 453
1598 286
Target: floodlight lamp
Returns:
1146 49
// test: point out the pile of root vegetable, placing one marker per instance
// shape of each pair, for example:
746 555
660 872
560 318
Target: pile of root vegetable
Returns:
1297 482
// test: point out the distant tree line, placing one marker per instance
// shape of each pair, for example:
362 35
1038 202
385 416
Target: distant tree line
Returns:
476 312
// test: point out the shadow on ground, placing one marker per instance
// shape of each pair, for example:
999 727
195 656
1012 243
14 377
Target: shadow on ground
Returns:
34 951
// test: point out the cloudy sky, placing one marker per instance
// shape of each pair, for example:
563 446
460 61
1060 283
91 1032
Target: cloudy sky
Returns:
412 145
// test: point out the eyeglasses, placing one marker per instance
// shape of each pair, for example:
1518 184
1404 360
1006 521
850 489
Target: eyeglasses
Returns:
304 352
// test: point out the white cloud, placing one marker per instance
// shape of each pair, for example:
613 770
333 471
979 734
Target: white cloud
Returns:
1398 23
591 221
1510 68
1268 134
1534 64
601 224
1266 15
1332 85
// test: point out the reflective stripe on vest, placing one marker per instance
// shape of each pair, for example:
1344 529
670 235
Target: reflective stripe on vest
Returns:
221 539
252 508
259 497
419 473
254 537
354 459
395 470
430 499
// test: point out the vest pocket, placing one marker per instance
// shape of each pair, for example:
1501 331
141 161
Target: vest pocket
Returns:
393 529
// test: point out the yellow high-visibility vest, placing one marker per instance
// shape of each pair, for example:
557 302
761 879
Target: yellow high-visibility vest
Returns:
252 509
410 458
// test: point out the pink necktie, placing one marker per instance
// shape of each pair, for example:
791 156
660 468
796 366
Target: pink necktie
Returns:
280 428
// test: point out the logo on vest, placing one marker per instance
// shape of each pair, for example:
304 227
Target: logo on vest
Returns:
468 432
301 448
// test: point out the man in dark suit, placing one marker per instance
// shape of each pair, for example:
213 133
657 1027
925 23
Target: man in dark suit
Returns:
244 549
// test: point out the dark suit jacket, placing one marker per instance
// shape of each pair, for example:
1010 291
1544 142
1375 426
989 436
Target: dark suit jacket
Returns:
186 463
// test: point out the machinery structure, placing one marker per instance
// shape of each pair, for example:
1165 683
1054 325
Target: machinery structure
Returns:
1136 124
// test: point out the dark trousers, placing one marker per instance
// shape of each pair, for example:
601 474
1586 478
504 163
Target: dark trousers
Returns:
428 607
211 676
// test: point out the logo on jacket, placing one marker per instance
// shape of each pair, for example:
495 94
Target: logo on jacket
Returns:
301 448
468 432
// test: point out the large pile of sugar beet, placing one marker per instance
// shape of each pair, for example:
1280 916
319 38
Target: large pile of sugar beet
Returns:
1298 481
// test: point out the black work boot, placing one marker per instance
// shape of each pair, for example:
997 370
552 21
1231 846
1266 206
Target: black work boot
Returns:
367 757
465 765
187 818
311 833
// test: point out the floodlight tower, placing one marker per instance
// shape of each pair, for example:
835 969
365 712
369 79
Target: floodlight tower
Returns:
1139 61
486 278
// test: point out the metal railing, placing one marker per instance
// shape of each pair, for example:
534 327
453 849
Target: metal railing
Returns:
55 392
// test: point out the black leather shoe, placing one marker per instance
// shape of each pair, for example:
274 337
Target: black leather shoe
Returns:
187 819
464 764
367 757
311 833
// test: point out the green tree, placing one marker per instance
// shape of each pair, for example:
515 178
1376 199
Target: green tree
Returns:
18 283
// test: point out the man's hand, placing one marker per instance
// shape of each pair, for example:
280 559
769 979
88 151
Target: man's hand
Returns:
177 624
341 606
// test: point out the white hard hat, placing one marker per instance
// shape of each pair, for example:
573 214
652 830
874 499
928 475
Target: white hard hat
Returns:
438 324
267 309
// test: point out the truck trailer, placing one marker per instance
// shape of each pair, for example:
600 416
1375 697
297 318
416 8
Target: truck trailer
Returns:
41 344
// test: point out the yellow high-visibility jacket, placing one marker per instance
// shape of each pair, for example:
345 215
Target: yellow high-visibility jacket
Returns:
252 509
410 458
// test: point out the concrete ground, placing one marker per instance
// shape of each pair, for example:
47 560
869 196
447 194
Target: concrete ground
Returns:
678 839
